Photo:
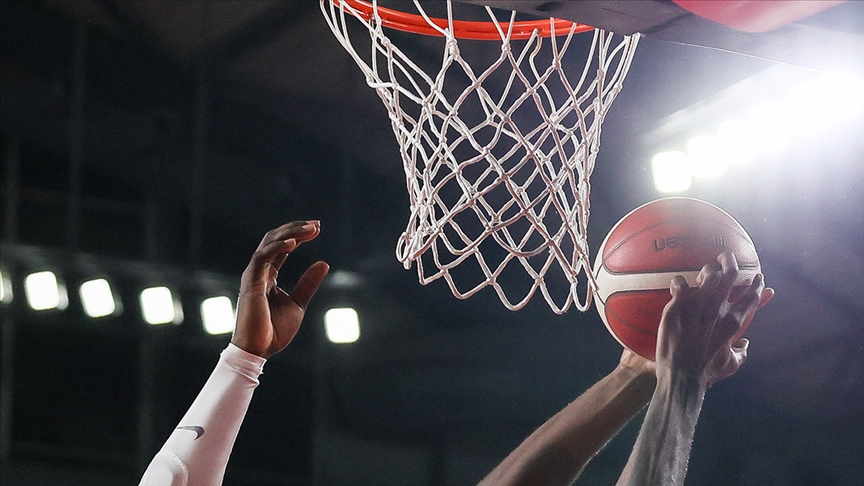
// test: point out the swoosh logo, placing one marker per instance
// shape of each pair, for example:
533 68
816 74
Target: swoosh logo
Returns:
199 431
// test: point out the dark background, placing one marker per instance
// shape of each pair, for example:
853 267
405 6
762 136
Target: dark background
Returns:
156 142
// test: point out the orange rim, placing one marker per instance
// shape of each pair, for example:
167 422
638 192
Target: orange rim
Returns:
462 29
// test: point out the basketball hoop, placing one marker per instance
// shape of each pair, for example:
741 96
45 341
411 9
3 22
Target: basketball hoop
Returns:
497 156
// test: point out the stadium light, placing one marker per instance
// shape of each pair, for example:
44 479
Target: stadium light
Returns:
217 315
771 124
342 325
739 147
44 292
671 171
706 157
777 106
97 298
844 95
5 289
158 306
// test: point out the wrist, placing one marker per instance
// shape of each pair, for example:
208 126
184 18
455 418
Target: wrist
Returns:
639 376
682 385
248 345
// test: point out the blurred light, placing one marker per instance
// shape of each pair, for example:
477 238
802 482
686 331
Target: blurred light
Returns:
97 298
342 325
44 292
671 171
737 142
843 95
159 307
217 314
343 279
810 113
706 157
5 289
771 125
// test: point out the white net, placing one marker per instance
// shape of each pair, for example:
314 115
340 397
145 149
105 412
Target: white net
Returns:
498 156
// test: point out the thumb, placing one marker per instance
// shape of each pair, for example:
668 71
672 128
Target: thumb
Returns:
766 297
308 283
739 350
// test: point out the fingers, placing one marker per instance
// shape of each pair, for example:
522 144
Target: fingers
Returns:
766 297
678 285
308 283
274 249
729 265
258 268
729 360
301 231
271 251
741 311
716 296
739 351
741 344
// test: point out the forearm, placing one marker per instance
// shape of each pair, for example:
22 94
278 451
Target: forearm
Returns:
557 451
663 446
197 451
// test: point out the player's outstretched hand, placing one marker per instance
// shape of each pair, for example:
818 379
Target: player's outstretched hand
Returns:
268 318
698 324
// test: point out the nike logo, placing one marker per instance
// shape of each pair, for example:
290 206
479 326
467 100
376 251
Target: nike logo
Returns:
199 431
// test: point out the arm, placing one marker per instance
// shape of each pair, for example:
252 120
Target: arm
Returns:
558 451
693 351
198 449
268 318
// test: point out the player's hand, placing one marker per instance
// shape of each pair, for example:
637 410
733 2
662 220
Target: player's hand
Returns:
698 324
268 318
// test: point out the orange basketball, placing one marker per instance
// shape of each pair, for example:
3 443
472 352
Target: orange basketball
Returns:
651 245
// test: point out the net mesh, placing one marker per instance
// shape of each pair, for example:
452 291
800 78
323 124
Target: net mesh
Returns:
498 155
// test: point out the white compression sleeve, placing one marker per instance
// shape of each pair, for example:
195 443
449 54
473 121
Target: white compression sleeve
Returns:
197 451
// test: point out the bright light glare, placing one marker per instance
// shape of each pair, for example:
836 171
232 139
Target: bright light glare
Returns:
771 125
5 289
44 292
706 156
671 171
97 298
737 142
217 314
342 325
843 95
808 108
159 307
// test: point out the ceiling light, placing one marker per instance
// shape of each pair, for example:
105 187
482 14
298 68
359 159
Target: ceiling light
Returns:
217 315
342 325
44 292
843 95
737 142
97 298
5 289
706 156
771 125
158 306
671 171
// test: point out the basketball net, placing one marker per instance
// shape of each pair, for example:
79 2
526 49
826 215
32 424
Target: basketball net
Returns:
498 156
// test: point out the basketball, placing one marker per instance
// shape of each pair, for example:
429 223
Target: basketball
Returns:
651 245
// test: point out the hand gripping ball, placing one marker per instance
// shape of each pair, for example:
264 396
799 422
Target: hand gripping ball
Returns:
651 245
